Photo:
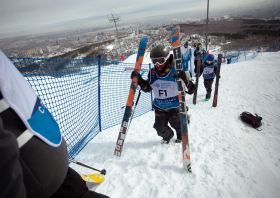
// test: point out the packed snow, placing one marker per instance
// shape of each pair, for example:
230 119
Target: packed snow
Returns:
229 158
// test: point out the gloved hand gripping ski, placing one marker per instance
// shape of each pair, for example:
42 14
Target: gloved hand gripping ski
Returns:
191 87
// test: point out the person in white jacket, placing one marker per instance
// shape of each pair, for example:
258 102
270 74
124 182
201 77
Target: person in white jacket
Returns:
186 57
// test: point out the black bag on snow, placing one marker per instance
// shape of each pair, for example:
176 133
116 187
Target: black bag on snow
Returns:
254 121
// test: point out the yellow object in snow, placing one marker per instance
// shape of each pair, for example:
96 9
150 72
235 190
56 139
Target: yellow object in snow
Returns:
93 178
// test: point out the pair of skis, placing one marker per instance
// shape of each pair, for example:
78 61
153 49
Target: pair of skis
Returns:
175 38
197 78
217 80
215 100
128 113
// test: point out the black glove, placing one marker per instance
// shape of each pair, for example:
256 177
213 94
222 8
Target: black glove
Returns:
182 75
137 75
134 73
191 88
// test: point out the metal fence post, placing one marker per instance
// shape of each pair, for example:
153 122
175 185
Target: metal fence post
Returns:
238 56
99 97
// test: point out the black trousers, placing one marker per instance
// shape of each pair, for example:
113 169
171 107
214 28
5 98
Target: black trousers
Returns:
164 131
208 85
75 187
195 67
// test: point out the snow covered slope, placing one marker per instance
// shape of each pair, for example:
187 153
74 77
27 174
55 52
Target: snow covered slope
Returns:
229 158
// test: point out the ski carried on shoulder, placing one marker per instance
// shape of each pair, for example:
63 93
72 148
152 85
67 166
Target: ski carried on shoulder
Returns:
175 38
215 100
128 109
197 78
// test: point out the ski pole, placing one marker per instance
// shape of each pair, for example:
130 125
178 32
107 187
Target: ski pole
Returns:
103 171
137 98
132 113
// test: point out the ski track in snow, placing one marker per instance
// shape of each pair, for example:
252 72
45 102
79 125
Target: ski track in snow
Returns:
229 158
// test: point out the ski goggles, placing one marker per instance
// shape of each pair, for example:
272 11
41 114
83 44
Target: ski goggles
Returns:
160 61
209 62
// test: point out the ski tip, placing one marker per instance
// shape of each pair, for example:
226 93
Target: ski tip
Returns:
188 167
93 178
207 99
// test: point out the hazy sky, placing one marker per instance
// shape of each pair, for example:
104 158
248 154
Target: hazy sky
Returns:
33 16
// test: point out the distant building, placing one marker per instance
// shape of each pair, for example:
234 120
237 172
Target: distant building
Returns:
161 31
31 52
24 54
129 37
40 51
152 32
53 48
142 35
112 37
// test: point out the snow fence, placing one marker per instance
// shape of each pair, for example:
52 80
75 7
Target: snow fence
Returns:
274 48
85 96
241 55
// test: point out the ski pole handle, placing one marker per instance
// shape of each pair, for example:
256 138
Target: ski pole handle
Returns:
81 164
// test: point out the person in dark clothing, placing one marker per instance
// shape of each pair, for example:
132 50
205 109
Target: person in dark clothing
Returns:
162 80
11 180
199 50
34 158
209 71
229 59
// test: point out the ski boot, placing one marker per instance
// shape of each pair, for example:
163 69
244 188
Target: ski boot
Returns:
178 141
163 141
208 95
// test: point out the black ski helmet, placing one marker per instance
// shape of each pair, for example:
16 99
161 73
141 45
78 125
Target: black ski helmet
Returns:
159 51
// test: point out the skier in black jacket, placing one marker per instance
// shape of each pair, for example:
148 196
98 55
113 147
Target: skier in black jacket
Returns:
33 163
209 71
197 52
162 80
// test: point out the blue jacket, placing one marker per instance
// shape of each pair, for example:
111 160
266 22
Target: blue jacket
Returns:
209 71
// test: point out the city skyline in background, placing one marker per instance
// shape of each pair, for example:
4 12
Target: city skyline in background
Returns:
24 18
